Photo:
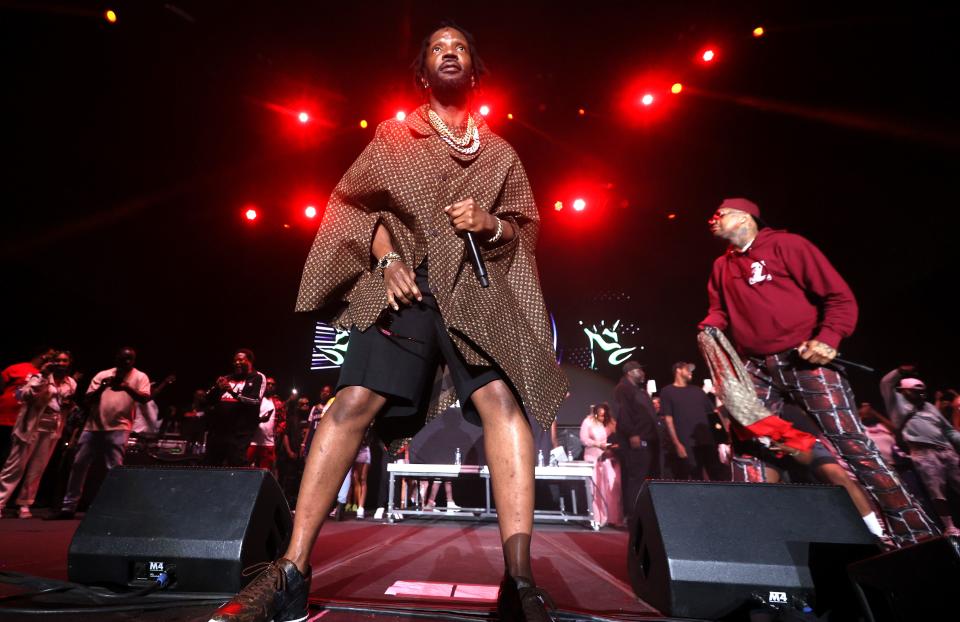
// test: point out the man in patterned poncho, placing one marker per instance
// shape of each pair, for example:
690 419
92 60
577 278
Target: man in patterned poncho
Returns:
388 262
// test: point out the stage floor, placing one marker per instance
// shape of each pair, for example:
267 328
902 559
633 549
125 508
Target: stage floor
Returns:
428 565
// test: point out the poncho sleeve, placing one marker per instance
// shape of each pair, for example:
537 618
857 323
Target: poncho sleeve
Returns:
341 249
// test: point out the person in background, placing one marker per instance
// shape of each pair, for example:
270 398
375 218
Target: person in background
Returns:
686 411
47 397
11 379
637 431
261 453
112 398
234 412
289 442
595 432
933 443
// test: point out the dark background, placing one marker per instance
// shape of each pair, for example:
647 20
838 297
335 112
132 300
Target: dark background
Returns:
131 150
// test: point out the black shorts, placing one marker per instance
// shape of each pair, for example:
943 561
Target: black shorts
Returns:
398 357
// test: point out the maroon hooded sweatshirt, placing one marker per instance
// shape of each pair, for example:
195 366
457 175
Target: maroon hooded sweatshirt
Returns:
779 293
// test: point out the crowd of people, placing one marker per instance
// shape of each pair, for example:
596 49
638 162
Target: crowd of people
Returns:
239 421
681 432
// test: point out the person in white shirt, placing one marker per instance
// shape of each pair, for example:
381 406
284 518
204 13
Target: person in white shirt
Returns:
111 398
262 451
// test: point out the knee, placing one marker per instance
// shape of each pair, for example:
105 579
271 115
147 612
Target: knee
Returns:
496 397
355 406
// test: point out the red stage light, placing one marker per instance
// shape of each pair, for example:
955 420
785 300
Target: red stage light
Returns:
647 99
708 56
758 31
510 116
110 16
363 124
401 115
676 88
579 205
558 205
581 112
310 211
303 117
484 110
250 214
671 216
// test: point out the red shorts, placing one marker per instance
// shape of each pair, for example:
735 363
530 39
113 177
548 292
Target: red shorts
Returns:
262 456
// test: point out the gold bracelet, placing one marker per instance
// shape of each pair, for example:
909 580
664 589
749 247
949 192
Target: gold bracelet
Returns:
499 232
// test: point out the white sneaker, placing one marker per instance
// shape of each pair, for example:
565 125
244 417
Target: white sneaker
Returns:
359 512
452 507
25 512
378 515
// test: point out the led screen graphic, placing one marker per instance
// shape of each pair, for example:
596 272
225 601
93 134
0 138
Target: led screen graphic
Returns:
329 347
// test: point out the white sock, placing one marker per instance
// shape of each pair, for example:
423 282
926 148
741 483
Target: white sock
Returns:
873 524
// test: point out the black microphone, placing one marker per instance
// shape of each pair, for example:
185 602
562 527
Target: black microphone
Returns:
479 268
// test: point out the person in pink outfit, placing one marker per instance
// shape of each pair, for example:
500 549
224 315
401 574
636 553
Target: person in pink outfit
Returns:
595 431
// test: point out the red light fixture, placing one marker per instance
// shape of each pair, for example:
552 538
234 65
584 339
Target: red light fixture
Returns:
110 15
647 99
758 32
484 110
579 205
303 117
363 124
558 205
250 214
676 88
310 211
401 115
708 55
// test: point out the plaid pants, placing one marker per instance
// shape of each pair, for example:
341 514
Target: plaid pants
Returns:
825 394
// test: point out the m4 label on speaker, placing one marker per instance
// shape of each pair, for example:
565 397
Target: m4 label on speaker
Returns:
778 598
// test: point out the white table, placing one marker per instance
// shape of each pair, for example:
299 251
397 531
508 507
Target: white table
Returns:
429 471
579 470
565 471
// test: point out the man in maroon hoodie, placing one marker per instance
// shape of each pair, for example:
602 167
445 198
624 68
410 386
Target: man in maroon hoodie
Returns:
786 309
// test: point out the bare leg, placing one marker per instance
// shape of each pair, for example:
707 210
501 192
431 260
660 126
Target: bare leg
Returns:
334 447
508 442
448 488
432 499
360 483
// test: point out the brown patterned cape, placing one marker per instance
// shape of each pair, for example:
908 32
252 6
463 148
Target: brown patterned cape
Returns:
404 178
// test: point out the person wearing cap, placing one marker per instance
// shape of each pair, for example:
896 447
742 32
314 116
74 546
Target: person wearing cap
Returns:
637 429
933 443
786 310
686 411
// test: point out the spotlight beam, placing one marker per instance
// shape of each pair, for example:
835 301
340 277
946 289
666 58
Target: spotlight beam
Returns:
840 118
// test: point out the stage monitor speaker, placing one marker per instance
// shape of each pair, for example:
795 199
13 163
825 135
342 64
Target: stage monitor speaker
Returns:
710 549
202 526
913 583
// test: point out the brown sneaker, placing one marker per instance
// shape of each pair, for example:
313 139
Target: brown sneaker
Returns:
278 594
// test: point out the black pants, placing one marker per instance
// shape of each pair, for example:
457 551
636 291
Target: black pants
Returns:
637 464
702 462
227 447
